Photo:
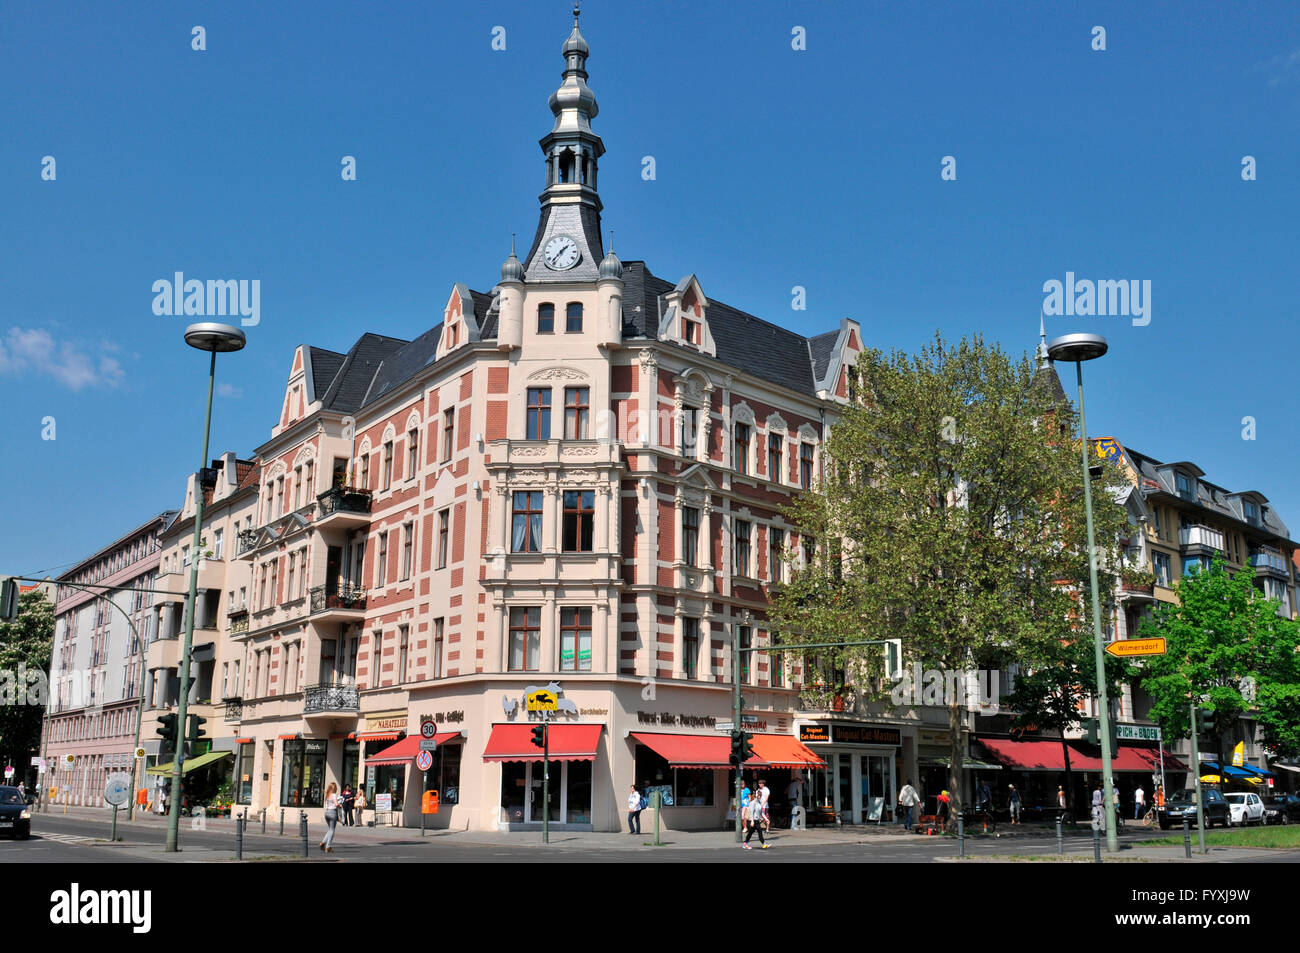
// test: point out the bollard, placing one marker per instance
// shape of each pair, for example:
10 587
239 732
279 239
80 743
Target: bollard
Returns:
1187 839
281 822
263 820
302 829
1096 844
239 838
961 836
1060 838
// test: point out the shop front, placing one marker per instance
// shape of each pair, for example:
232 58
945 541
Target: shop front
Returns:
395 770
384 784
568 801
859 782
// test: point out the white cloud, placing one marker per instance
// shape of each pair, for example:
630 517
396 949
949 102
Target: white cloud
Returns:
34 349
229 390
1283 67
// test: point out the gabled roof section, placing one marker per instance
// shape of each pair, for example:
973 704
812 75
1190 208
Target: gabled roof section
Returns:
832 355
460 324
360 366
322 365
405 363
684 317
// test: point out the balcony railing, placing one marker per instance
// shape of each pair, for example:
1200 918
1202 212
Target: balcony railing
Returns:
1201 536
1268 559
238 621
343 499
234 710
348 597
328 698
247 540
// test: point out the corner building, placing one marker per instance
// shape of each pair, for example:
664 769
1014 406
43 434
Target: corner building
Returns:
575 478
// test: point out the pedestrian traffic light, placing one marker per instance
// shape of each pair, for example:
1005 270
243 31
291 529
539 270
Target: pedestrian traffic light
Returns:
194 731
539 735
746 747
167 732
741 749
8 600
1207 720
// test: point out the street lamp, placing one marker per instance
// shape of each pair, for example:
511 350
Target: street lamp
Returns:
213 337
1078 348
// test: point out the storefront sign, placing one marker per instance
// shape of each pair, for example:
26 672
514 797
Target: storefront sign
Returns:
387 721
449 717
315 746
596 712
679 720
384 802
815 733
866 735
1137 732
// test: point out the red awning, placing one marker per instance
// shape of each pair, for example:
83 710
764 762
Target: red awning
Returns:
1047 756
1146 760
243 741
293 737
405 750
689 751
377 735
781 751
566 743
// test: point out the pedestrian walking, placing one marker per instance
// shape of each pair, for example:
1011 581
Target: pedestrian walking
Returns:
794 790
984 797
361 806
22 791
347 798
754 823
1139 803
331 817
1098 814
763 794
635 805
1013 803
908 799
1060 797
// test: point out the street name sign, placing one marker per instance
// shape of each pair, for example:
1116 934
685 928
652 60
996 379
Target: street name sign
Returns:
1130 648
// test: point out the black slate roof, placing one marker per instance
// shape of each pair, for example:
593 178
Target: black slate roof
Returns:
404 363
354 377
324 366
822 349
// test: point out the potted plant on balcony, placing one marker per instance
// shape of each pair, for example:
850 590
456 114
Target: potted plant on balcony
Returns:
1137 579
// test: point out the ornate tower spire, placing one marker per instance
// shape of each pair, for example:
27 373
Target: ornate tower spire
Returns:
1043 360
567 246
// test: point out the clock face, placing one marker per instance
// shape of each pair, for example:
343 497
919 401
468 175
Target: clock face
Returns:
561 253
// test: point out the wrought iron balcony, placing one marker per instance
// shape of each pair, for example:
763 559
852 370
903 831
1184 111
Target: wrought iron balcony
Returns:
348 597
234 710
343 499
319 699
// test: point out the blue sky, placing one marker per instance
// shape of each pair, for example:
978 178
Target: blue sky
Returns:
775 168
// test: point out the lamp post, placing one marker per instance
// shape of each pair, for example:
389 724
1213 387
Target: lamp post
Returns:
1079 348
213 337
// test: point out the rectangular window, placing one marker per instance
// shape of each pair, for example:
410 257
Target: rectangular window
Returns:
376 656
297 488
539 414
775 548
302 576
408 546
365 472
448 433
275 581
525 638
402 633
546 319
1185 487
1160 565
690 534
437 647
526 534
217 544
388 464
575 640
805 465
774 454
381 563
1157 522
746 637
690 430
573 318
776 662
576 408
740 548
311 480
809 547
691 647
740 452
412 452
293 571
444 530
689 329
579 520
279 497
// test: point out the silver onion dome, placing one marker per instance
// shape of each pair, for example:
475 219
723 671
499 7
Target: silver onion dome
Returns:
610 266
512 269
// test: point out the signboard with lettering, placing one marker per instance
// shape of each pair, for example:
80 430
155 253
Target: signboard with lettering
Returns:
384 803
815 733
1137 732
866 735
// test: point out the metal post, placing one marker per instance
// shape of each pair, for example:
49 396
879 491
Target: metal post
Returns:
302 830
112 837
281 822
735 715
658 803
1096 844
1103 705
1060 837
263 820
546 777
961 835
1196 767
182 705
1187 838
425 787
239 838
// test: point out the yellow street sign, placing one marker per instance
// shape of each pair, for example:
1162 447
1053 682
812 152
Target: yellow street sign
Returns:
1128 648
541 699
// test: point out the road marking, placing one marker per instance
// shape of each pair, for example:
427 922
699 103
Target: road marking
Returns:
66 838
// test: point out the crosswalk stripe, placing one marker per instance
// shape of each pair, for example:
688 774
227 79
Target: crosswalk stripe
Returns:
66 838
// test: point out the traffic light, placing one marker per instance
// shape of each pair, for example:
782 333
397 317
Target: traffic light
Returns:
741 749
8 600
167 732
539 735
1092 731
1206 718
194 731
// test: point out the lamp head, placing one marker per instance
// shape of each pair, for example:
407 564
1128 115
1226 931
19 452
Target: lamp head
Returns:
213 336
1080 346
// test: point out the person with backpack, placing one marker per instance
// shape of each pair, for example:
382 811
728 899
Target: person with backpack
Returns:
635 805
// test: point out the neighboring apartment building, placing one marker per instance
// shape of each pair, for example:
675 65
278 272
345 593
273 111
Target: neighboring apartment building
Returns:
230 501
96 664
576 477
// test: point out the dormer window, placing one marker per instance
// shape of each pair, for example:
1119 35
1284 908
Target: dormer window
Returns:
690 331
1186 486
1252 510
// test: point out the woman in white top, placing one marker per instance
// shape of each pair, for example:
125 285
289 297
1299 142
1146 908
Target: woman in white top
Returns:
331 816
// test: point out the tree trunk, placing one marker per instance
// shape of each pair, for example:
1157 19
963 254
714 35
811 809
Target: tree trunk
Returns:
954 764
1069 783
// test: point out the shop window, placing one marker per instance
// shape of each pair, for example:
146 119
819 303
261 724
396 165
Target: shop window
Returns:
693 787
303 778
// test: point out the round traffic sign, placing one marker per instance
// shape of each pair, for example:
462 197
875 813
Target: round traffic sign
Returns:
424 760
9 771
140 753
118 788
428 729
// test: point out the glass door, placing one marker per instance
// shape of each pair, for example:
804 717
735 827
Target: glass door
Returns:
844 805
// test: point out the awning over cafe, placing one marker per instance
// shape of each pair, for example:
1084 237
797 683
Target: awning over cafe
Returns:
967 763
780 751
1030 755
191 764
714 751
566 743
377 735
404 751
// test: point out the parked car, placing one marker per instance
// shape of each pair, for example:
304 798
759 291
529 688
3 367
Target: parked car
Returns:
1245 809
1183 804
15 813
1281 809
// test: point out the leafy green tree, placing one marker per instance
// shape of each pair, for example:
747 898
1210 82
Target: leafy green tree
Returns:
951 500
25 645
1226 645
